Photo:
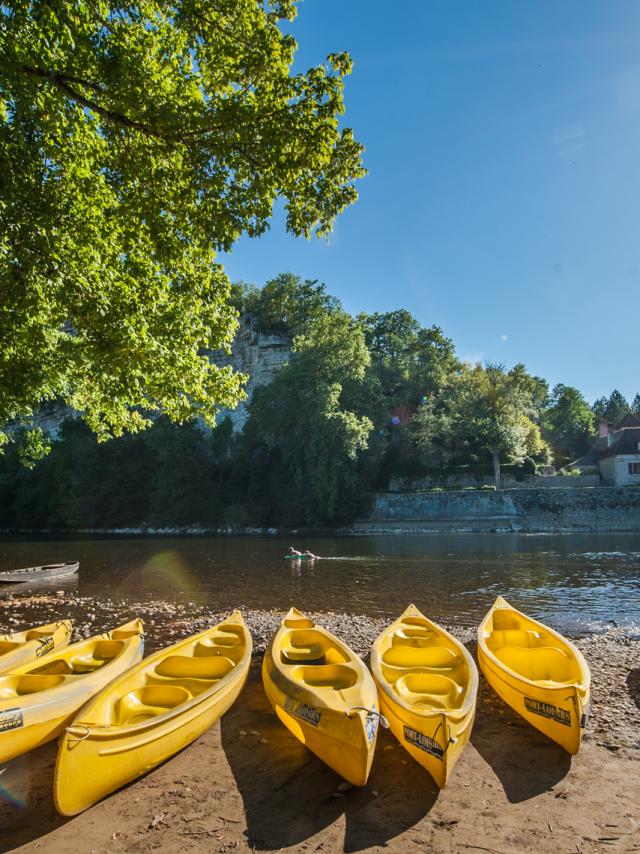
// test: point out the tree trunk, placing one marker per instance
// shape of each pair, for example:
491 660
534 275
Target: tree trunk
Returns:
496 469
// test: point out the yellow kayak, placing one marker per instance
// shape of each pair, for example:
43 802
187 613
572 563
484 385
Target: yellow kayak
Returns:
536 671
18 648
428 683
39 699
323 693
149 713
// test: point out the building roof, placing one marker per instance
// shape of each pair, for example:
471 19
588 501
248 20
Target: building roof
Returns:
629 421
625 441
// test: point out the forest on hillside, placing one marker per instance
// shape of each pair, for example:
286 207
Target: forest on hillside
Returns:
361 401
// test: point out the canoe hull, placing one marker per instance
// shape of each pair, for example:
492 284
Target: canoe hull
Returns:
427 683
324 695
340 742
536 671
38 700
95 760
37 643
558 713
435 742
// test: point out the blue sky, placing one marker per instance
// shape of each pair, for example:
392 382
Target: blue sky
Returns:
503 196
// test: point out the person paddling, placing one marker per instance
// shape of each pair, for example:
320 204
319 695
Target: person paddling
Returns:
294 552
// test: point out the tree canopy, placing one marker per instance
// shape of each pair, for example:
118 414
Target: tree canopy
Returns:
568 423
613 408
483 411
137 138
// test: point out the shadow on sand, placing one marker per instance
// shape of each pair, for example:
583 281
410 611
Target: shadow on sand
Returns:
289 795
525 761
633 684
26 800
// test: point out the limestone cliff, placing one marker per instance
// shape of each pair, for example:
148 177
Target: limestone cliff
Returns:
252 353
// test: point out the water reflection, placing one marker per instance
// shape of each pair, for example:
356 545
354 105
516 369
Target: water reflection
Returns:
576 582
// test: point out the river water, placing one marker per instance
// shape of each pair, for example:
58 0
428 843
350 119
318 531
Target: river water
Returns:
579 583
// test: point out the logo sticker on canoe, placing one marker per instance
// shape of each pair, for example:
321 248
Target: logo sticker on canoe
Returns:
371 725
424 742
547 710
46 645
10 719
306 713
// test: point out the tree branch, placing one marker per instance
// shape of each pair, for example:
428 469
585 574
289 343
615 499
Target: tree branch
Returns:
63 84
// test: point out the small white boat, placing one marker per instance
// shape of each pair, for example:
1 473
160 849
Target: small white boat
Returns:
39 573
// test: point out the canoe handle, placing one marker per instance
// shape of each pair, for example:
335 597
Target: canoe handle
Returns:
86 734
383 721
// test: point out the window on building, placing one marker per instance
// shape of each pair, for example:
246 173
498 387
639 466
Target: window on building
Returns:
634 468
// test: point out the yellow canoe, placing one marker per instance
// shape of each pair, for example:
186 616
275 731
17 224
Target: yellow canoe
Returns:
18 648
427 683
39 699
323 693
149 713
536 671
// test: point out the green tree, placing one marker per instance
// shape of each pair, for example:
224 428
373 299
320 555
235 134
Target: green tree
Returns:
411 361
568 423
635 406
286 305
483 411
613 409
136 140
298 457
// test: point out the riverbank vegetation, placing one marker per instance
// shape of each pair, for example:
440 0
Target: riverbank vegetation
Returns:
361 401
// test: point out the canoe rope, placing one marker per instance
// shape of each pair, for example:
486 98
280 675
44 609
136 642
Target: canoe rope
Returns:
383 721
582 715
450 738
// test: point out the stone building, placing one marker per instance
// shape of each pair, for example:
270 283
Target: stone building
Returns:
616 452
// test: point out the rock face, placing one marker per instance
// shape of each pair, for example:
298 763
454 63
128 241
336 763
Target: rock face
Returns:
257 355
252 353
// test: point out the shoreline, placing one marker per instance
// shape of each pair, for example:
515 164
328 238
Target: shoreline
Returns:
248 785
410 528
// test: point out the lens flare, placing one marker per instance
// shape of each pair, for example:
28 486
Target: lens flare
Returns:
163 573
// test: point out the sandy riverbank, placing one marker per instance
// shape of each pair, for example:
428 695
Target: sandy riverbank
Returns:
248 785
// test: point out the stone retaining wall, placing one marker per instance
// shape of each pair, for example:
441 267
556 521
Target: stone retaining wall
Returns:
531 510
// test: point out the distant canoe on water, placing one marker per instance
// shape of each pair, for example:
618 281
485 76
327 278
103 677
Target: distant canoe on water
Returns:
38 573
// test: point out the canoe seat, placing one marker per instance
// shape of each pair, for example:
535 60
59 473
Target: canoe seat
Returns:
145 703
102 653
310 646
334 676
413 636
188 667
299 623
429 691
58 667
412 656
211 645
539 664
294 654
7 646
514 637
19 686
504 618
